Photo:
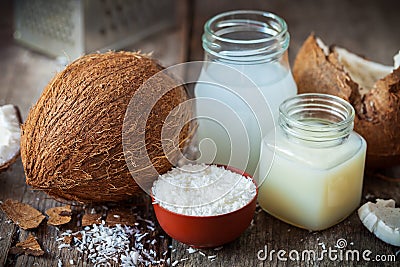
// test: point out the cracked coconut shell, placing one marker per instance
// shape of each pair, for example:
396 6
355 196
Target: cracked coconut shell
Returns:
59 215
71 142
372 89
29 246
10 120
22 214
382 219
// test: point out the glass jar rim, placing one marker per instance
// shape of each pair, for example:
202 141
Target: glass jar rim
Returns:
302 117
265 14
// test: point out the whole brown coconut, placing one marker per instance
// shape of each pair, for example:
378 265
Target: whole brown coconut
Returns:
71 143
373 90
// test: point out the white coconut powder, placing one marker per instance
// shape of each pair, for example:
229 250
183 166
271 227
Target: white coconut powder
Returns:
203 190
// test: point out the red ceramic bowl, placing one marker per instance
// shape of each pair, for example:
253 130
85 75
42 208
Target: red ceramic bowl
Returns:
207 231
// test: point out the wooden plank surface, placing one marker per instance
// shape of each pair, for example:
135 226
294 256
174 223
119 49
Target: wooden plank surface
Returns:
367 27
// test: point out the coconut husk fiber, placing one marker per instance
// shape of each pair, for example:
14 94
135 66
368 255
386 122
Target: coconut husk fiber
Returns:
71 142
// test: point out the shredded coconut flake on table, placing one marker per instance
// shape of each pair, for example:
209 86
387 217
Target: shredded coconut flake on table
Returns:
191 250
203 190
103 244
322 245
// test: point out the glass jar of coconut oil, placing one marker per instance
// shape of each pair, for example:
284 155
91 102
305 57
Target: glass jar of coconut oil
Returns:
244 79
316 176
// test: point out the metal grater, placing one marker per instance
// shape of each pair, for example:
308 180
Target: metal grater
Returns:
71 28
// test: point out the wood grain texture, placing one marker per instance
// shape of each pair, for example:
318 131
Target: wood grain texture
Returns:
12 185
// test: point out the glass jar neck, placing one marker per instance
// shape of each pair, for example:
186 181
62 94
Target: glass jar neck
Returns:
320 120
246 36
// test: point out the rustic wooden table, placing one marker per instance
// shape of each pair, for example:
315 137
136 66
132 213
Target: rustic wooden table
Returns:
368 27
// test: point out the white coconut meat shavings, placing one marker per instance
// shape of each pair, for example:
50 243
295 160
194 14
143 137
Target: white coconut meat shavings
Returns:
103 245
203 190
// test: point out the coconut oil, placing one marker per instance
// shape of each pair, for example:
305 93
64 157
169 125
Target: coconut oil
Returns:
316 176
244 79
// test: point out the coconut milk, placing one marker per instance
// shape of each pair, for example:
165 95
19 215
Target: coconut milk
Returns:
240 117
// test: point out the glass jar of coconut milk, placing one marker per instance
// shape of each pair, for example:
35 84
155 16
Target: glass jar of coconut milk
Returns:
244 79
316 176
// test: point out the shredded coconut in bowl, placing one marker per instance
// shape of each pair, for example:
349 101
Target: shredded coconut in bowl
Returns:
203 190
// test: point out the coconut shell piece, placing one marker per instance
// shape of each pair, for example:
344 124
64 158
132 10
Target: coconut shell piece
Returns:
10 118
372 89
71 142
90 219
30 246
22 214
59 215
120 216
67 239
313 69
70 239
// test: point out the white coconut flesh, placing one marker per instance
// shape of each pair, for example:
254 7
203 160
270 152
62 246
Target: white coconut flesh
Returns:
382 219
9 134
397 60
323 46
362 71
